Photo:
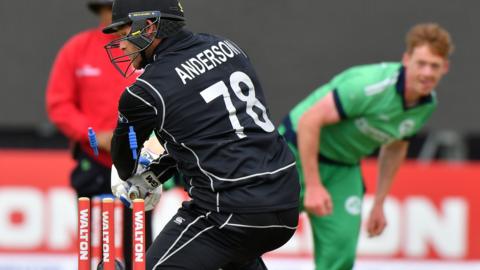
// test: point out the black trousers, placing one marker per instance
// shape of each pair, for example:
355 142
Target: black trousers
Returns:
90 179
196 239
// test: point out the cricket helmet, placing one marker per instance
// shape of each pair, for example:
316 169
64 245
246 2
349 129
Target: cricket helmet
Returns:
132 11
142 15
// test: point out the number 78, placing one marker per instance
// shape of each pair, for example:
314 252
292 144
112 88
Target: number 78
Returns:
220 89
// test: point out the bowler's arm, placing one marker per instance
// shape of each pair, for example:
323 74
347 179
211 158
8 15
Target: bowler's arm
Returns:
324 112
390 158
389 161
317 199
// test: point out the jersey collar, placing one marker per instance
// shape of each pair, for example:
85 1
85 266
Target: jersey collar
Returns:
400 86
170 44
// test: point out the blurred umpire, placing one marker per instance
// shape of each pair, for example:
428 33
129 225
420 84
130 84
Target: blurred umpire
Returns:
83 91
200 95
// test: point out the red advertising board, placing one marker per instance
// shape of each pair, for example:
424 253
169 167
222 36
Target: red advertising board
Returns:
439 208
432 211
42 169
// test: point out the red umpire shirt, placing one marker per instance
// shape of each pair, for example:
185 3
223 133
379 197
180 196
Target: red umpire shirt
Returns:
84 89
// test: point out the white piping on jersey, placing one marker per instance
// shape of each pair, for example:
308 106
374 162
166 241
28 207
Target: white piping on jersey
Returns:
252 175
180 236
157 161
157 133
191 179
135 166
209 174
379 87
166 255
238 178
143 100
202 170
164 171
261 227
165 147
191 187
173 138
226 222
161 98
182 246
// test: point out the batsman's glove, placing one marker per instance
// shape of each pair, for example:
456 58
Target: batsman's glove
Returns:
146 183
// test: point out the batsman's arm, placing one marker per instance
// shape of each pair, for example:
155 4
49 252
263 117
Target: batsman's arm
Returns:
137 109
153 145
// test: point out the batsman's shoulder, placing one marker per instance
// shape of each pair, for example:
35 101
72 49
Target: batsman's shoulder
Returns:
133 94
155 77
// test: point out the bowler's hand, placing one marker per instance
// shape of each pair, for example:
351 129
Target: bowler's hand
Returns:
317 201
376 221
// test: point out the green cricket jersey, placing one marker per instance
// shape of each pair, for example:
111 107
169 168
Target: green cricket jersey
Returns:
370 100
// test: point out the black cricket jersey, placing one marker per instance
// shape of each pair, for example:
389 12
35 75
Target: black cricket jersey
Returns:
201 97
